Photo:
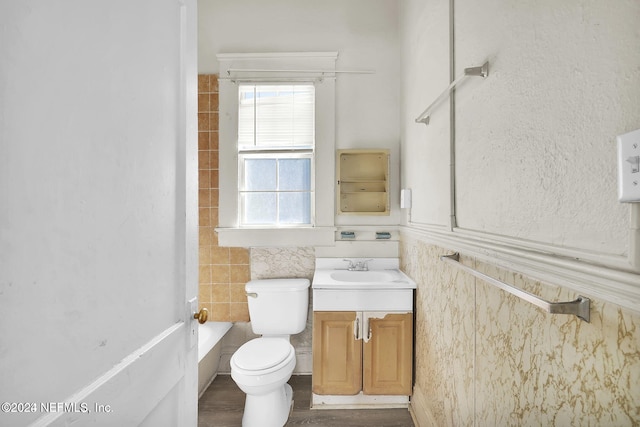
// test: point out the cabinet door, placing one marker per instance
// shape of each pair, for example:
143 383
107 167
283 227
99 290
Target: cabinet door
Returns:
387 360
337 352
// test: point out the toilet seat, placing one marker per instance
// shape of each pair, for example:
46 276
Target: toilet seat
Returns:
262 355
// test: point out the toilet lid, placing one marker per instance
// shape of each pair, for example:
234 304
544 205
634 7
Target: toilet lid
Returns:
262 353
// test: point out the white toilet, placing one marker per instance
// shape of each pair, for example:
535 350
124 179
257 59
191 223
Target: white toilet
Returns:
261 367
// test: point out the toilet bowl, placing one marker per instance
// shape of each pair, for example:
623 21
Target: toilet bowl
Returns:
261 369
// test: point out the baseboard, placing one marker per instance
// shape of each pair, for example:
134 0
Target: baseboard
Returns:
419 410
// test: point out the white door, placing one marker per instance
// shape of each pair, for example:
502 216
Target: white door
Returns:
98 212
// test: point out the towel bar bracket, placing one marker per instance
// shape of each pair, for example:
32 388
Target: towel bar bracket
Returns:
481 71
580 307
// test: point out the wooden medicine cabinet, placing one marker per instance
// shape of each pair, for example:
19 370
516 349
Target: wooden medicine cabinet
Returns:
363 182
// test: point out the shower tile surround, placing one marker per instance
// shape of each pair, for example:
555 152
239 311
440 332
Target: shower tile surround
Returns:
485 357
223 272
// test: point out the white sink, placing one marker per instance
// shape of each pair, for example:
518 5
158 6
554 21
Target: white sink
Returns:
345 279
382 287
382 273
363 276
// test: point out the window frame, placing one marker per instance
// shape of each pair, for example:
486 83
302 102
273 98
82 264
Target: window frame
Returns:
322 231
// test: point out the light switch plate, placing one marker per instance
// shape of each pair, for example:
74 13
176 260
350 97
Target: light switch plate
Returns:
629 167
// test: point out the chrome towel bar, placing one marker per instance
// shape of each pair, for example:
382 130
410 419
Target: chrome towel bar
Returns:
482 71
580 307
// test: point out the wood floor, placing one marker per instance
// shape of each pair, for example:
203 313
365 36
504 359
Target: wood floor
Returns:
222 404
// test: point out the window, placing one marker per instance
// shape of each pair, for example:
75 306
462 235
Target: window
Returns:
275 189
276 135
277 149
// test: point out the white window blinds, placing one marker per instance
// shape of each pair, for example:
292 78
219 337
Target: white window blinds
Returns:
272 116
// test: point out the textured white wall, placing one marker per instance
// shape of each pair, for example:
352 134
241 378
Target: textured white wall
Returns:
425 73
535 141
538 139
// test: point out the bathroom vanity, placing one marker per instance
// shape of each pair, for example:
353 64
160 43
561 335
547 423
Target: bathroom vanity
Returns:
362 333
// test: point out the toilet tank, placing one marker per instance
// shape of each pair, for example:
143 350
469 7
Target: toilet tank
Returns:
278 306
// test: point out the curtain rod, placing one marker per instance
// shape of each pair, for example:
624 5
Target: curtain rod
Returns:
309 79
259 70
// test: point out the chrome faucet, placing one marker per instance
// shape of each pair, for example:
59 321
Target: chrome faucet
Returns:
352 265
357 265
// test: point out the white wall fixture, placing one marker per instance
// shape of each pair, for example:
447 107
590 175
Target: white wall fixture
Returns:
405 198
629 167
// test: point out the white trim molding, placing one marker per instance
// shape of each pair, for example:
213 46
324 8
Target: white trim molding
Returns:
131 388
598 276
280 237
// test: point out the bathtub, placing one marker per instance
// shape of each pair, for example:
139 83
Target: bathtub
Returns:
209 349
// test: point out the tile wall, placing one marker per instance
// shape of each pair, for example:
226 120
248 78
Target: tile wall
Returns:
223 271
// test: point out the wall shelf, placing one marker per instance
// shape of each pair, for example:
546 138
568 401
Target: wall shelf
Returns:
363 182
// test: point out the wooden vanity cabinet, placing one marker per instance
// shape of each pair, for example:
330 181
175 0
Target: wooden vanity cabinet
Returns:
337 353
362 351
388 353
